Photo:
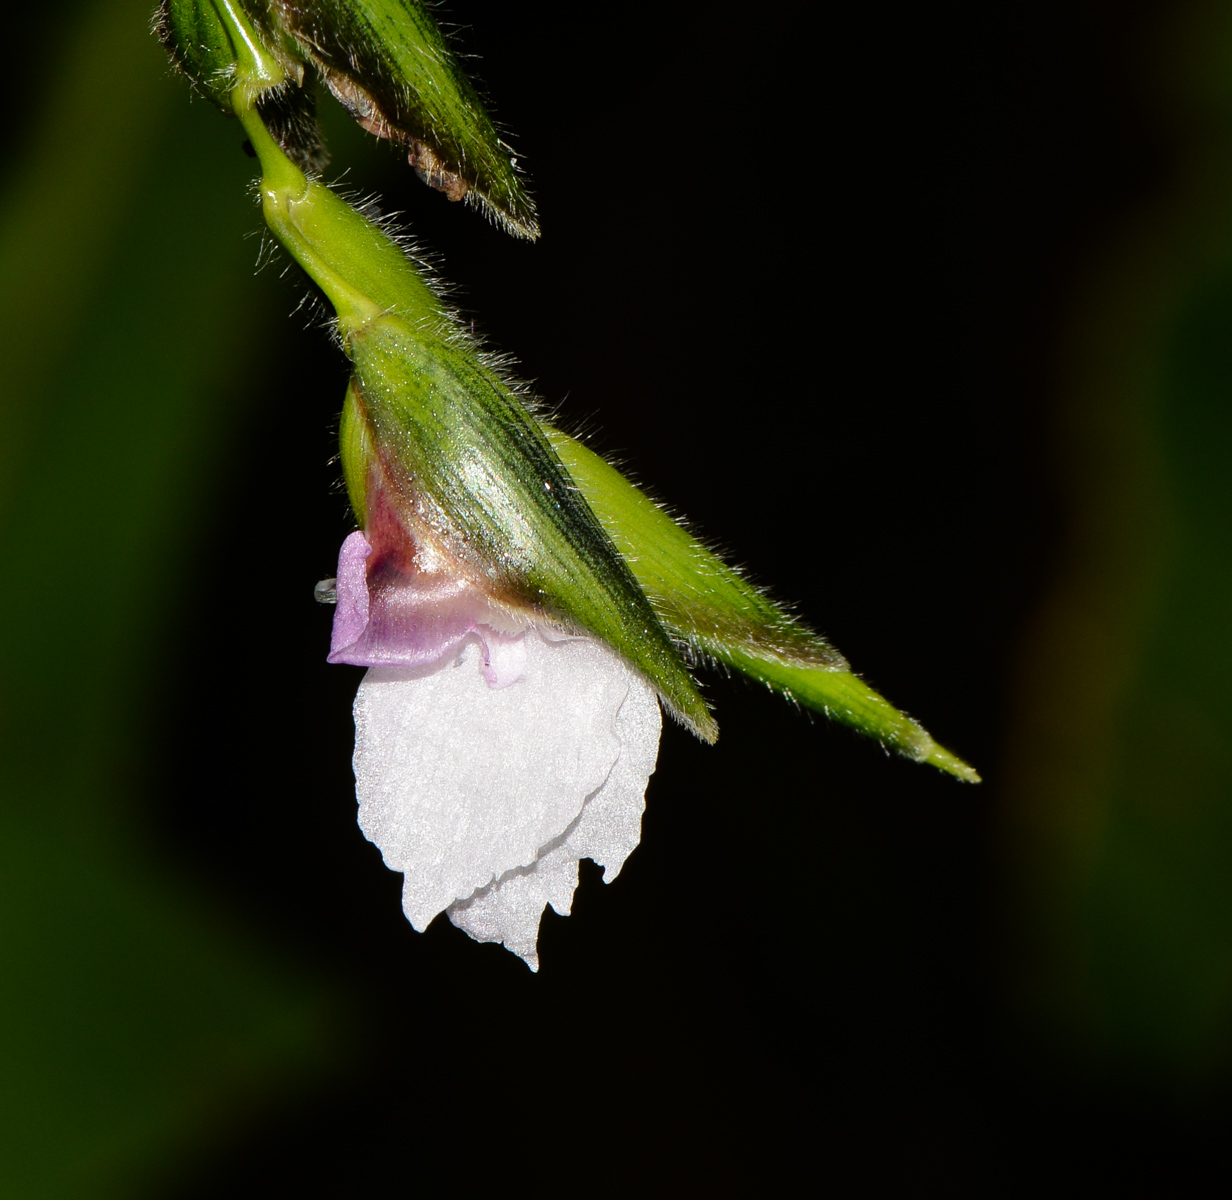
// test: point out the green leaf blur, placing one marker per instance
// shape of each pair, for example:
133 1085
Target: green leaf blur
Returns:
131 1012
1120 764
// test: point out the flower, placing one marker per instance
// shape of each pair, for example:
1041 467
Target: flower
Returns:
522 607
492 751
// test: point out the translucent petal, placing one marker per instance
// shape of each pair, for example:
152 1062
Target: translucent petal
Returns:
607 830
461 783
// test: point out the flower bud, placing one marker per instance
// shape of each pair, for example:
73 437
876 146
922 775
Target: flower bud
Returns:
384 60
389 66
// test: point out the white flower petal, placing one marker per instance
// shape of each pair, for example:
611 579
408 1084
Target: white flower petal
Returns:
509 910
610 826
460 783
607 830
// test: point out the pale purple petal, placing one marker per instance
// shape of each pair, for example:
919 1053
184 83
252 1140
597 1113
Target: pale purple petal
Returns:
389 618
351 613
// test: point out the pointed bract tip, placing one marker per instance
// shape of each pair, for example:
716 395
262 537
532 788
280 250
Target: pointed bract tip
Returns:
692 713
707 730
941 758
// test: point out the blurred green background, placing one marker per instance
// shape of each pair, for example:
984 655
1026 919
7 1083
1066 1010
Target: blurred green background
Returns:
135 1011
929 317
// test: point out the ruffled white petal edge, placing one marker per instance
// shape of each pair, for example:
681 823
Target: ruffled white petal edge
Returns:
486 798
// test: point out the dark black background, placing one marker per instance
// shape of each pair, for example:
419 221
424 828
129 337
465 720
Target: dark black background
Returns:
803 269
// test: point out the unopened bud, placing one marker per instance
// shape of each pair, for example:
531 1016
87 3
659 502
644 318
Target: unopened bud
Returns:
389 66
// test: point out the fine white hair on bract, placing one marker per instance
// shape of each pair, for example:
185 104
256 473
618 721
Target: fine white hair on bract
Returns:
486 782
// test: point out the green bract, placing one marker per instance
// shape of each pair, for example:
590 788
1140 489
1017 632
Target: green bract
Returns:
719 616
444 442
464 466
